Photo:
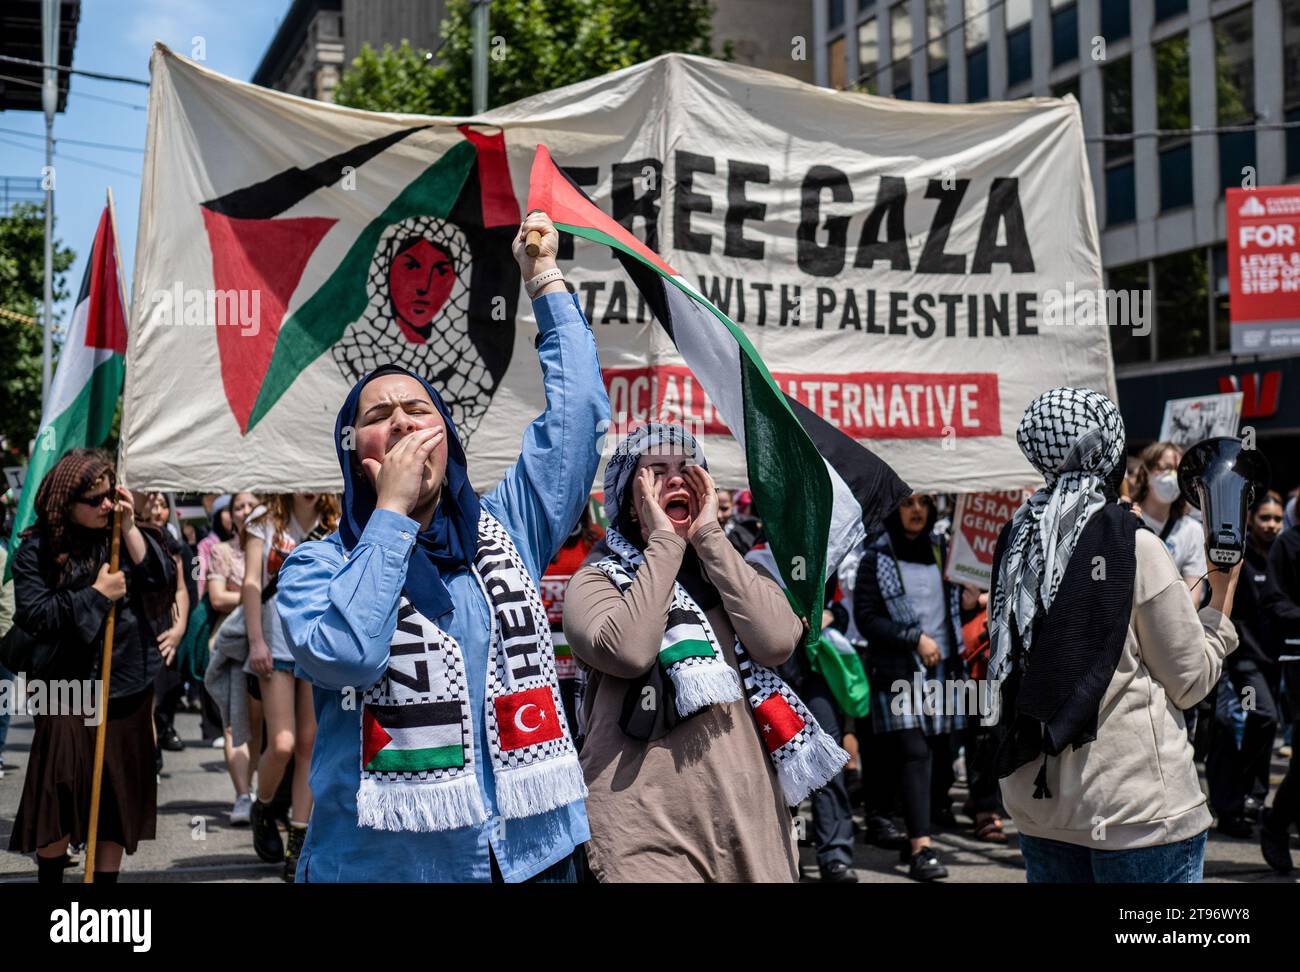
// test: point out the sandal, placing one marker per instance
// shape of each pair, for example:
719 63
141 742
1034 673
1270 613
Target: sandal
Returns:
990 831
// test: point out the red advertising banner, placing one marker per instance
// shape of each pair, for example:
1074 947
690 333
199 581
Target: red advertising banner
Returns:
1264 268
978 520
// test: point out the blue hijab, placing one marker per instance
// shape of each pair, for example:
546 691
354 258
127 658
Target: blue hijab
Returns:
451 539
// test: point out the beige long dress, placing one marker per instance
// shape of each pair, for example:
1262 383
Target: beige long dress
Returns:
703 803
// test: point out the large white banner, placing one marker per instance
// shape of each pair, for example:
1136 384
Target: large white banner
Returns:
899 266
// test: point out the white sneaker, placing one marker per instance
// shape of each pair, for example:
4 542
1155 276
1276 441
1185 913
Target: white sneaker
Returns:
219 742
240 812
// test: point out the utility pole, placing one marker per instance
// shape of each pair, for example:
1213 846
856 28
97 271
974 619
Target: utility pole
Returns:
479 21
50 102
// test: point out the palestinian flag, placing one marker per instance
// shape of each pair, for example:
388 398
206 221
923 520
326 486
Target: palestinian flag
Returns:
87 384
421 285
816 489
412 738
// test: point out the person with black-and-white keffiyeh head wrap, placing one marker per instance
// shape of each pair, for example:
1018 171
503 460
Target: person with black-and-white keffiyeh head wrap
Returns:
1095 647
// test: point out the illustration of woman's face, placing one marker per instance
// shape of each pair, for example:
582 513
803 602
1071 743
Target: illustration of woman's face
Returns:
420 279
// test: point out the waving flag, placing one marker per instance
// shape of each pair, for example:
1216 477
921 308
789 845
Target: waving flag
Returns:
816 489
88 381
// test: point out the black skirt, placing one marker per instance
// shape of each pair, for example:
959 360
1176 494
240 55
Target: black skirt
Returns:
56 792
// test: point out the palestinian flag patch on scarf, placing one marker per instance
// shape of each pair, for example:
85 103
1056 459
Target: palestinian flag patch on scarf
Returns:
804 756
818 489
417 730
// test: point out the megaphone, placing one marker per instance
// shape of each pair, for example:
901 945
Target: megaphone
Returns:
1220 478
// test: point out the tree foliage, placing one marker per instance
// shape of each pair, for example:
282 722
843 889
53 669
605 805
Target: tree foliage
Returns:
533 47
22 290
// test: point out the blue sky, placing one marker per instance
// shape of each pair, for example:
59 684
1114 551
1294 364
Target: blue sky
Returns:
115 37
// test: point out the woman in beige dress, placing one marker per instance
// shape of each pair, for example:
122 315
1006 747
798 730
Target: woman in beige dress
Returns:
694 749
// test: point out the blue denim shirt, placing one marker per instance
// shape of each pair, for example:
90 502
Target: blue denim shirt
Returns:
327 604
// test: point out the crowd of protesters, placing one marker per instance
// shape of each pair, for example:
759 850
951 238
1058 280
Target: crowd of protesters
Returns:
416 682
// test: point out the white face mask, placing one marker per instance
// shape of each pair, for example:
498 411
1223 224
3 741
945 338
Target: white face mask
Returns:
1165 487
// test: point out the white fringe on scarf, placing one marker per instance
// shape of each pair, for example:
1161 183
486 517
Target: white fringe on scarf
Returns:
446 805
810 767
540 787
699 686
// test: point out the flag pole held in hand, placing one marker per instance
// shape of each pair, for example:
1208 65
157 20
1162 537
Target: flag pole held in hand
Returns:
533 243
101 731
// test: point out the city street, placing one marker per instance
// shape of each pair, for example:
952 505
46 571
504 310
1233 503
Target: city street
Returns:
196 842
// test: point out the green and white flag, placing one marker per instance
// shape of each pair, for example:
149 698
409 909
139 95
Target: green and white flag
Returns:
88 381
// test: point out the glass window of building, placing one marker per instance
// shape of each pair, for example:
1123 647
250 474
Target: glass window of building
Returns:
868 56
936 26
1020 45
976 31
865 5
1065 31
1222 317
1234 60
900 39
1115 22
1174 111
835 58
1131 287
1170 8
1291 83
1182 305
976 26
1117 115
1070 86
835 14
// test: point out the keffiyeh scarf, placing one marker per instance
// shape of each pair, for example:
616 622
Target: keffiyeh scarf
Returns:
417 730
804 756
1075 438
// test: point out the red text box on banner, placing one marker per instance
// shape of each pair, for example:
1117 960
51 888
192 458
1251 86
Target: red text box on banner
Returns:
863 405
1264 268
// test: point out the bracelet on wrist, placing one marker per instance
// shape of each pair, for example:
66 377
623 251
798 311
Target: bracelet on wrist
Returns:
531 287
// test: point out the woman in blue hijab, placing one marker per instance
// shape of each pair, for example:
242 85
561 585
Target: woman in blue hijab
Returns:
442 752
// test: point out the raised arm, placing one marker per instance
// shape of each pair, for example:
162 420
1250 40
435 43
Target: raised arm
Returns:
1182 648
339 612
542 494
758 608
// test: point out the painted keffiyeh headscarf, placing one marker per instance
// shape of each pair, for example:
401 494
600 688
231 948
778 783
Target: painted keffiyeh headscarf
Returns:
804 756
1075 438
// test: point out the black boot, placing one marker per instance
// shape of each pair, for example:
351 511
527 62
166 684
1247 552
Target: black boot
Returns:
1274 844
266 836
297 834
926 866
884 833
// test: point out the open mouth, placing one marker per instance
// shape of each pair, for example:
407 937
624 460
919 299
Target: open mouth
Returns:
678 507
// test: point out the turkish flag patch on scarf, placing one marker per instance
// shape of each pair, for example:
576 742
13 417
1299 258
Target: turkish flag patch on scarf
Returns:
778 720
527 717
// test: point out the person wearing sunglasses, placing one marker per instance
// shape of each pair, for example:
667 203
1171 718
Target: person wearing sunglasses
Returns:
64 593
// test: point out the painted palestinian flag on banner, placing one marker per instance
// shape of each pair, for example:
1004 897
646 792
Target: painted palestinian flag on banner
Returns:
425 284
87 383
816 489
412 738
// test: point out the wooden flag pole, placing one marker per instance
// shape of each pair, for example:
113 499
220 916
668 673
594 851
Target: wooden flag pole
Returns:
105 673
533 243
